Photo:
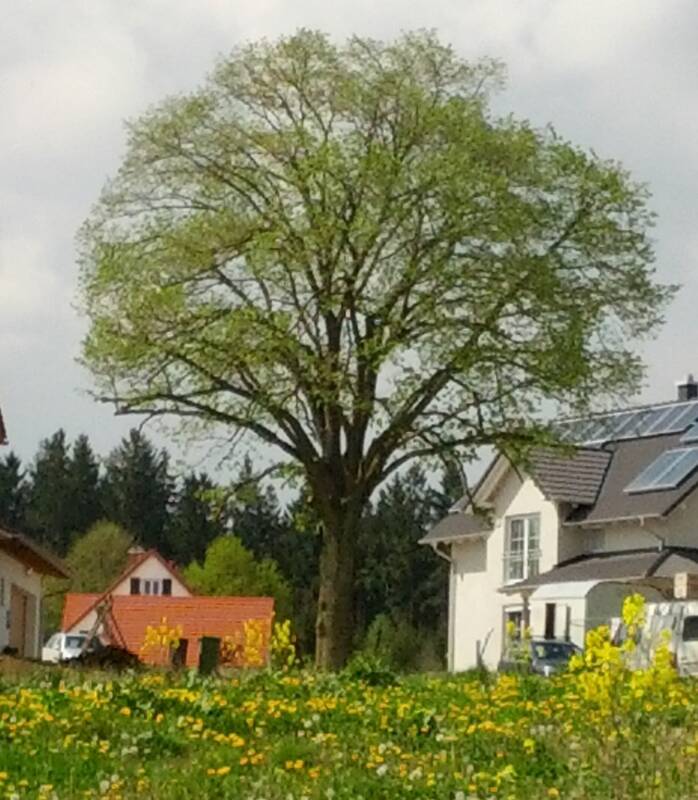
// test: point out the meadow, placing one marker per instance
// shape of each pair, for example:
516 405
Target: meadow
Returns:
599 731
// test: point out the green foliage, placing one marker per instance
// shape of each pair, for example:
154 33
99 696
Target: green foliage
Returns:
370 668
230 569
98 557
402 646
138 490
13 492
193 523
341 251
94 561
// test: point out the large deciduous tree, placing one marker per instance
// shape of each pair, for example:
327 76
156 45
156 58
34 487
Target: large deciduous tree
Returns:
340 250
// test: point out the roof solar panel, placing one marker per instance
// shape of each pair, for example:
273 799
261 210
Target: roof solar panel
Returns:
667 471
652 421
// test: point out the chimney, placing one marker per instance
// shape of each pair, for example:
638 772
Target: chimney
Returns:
134 553
687 389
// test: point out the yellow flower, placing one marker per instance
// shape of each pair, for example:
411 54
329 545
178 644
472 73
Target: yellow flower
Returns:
222 771
125 711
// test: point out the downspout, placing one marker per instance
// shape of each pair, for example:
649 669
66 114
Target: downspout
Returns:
451 603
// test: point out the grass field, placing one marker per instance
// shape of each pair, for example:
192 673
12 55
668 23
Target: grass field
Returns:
601 732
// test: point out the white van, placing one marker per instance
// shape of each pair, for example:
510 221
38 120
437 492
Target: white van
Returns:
676 623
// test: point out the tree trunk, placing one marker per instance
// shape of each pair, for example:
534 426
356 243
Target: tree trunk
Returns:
334 627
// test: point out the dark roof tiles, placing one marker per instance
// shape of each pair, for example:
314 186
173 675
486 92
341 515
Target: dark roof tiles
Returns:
570 477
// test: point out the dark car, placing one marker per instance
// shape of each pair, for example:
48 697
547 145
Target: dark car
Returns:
540 656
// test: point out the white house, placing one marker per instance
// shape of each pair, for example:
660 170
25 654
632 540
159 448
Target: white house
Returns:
22 565
558 546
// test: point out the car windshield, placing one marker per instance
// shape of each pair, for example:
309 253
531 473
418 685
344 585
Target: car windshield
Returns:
553 651
74 642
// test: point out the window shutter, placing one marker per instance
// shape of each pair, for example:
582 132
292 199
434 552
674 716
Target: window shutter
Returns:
167 586
135 585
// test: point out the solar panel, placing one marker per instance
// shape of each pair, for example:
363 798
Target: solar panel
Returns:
667 471
652 421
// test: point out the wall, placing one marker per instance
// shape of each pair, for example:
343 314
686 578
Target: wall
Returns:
477 573
152 569
14 572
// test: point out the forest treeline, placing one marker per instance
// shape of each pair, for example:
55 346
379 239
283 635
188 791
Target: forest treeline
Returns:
401 588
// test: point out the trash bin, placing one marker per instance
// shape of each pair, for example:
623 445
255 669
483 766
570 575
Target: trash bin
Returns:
208 654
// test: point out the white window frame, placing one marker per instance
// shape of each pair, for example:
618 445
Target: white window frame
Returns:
529 553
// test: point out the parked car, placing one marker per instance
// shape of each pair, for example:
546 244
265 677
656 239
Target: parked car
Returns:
540 656
64 646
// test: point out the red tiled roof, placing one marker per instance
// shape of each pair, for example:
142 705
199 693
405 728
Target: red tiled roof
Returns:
75 606
198 616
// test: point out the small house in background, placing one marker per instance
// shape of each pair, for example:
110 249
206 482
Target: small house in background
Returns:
22 565
151 595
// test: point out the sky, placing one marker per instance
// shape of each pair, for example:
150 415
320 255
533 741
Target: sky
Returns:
618 77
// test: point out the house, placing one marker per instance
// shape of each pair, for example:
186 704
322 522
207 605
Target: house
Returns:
151 592
555 547
22 565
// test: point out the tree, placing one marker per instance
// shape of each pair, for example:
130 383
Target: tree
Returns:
94 561
13 492
138 489
340 251
84 486
395 575
255 514
193 524
99 556
230 569
50 512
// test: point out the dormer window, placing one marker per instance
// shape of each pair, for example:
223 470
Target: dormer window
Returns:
521 547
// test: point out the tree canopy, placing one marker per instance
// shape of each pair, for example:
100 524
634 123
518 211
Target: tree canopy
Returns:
341 251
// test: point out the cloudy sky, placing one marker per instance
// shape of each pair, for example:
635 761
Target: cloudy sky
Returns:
615 75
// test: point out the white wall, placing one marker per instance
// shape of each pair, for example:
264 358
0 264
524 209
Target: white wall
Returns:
14 572
152 569
478 568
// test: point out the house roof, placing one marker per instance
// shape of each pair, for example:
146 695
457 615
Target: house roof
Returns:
31 554
75 607
131 615
625 565
457 525
131 567
141 558
590 476
574 477
628 459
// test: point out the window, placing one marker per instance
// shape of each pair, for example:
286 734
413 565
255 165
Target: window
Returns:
155 587
690 629
146 587
167 586
513 623
135 585
522 548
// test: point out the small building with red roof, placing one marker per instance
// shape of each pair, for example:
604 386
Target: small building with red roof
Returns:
151 595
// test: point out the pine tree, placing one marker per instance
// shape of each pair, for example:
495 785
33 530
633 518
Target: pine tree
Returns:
50 512
193 524
138 490
396 575
13 492
85 488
